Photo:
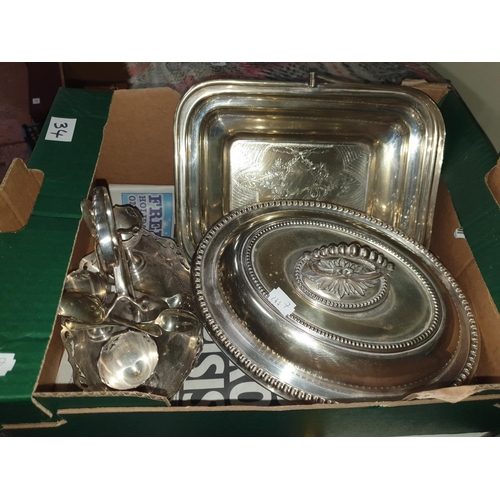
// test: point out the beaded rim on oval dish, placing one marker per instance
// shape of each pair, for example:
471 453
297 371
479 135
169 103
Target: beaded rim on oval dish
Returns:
265 377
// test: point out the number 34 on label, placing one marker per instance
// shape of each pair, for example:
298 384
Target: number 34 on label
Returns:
60 129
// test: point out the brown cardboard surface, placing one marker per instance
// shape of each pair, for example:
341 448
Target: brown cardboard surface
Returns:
84 244
135 148
18 193
447 395
52 360
493 182
133 151
43 425
436 91
454 394
455 253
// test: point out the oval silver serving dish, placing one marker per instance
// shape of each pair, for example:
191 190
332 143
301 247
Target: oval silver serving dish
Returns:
376 149
321 303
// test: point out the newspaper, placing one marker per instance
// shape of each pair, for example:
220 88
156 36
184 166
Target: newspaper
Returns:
216 381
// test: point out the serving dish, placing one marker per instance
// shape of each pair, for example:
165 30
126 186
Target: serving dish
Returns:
322 303
376 149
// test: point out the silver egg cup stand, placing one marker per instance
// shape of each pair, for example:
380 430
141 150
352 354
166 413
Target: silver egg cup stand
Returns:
127 314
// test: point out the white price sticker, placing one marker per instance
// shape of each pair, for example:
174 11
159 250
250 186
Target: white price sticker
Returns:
281 301
61 129
7 362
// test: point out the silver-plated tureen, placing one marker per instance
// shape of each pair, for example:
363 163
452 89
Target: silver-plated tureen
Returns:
321 303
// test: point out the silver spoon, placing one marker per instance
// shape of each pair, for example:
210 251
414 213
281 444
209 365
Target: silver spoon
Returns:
177 320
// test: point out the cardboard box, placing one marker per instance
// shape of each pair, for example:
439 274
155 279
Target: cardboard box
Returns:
126 136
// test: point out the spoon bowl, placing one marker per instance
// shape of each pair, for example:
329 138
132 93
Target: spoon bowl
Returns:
81 307
87 282
177 321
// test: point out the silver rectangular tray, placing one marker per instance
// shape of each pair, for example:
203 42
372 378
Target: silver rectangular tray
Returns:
376 149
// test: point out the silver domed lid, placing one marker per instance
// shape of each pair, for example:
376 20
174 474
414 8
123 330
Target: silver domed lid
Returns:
322 303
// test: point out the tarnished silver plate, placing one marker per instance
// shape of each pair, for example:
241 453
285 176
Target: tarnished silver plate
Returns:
322 303
374 149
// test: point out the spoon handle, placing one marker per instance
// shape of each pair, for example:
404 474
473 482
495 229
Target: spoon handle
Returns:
152 330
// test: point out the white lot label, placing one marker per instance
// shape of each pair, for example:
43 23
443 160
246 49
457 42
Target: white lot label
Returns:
60 129
7 362
281 301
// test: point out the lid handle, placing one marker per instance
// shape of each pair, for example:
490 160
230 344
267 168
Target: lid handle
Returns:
314 77
347 277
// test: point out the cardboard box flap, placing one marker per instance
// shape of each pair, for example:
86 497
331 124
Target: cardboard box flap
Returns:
454 394
60 401
34 260
436 91
137 138
18 193
492 180
468 157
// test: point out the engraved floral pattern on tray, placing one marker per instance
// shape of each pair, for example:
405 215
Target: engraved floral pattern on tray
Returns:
263 171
